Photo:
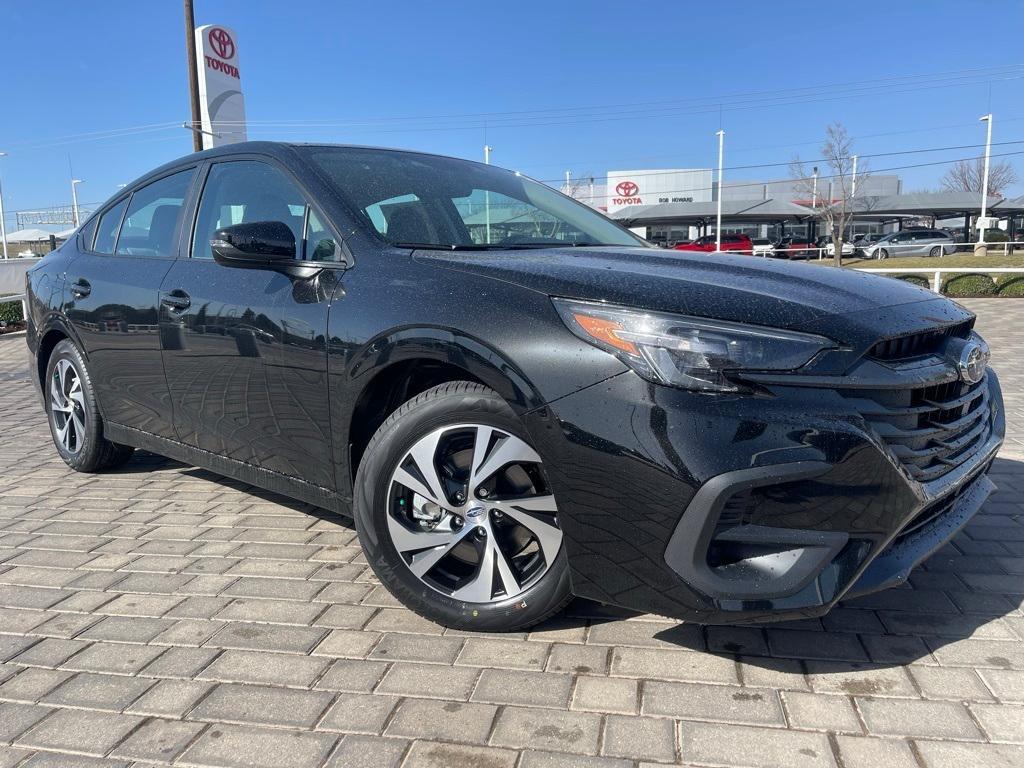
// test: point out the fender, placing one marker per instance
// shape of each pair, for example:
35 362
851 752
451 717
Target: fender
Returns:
444 345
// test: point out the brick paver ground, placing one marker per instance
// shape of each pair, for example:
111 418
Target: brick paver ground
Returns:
162 614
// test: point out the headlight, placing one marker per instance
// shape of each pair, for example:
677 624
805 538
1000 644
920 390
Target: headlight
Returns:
689 352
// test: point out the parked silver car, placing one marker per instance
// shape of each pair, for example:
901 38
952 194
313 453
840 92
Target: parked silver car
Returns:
912 242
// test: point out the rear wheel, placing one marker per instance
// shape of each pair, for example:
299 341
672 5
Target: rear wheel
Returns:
455 514
75 423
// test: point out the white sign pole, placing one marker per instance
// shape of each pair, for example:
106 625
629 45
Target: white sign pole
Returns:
718 217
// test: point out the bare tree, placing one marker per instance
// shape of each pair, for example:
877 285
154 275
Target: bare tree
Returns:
835 210
580 188
968 176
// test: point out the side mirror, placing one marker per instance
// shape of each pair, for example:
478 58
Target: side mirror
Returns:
254 245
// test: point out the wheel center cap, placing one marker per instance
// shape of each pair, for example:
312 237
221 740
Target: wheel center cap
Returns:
475 513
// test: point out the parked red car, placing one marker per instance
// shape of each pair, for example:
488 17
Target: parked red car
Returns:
730 243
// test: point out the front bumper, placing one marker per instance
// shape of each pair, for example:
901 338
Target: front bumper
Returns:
652 484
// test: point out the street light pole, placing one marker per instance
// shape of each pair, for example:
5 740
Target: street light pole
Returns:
718 215
3 225
74 201
487 196
984 179
853 195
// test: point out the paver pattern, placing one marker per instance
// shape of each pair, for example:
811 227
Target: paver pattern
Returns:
161 614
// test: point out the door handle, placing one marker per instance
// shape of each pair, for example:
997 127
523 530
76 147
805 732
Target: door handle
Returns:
176 301
81 288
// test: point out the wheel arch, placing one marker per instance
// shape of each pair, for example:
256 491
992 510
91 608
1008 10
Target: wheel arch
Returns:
54 332
397 367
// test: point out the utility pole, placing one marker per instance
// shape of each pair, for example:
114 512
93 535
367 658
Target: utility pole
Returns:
983 222
3 226
193 74
718 221
74 202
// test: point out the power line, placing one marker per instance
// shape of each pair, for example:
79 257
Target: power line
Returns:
714 101
743 149
824 177
695 189
819 160
575 115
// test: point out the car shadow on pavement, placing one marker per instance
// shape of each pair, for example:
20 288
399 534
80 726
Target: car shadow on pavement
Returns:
953 606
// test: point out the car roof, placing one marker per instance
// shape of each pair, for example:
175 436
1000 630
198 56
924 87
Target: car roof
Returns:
280 149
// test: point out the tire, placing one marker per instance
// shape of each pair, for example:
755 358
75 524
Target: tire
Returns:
935 252
503 490
75 423
882 253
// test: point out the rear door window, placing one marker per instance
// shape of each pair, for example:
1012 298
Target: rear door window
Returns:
151 223
106 230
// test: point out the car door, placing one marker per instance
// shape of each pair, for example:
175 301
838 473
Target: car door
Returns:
113 288
245 348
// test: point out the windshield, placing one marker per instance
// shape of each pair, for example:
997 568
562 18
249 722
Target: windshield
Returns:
418 200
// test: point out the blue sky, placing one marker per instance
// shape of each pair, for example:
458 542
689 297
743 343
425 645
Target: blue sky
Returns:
576 85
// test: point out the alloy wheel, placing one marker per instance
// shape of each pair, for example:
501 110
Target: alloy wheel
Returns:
470 513
67 405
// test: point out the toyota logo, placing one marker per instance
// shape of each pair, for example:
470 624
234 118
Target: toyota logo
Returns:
222 43
973 360
627 188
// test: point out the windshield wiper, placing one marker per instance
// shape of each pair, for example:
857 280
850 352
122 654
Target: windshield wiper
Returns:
451 246
494 246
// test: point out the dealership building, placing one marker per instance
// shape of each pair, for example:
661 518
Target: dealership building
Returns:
642 187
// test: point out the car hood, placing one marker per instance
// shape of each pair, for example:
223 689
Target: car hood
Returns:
742 289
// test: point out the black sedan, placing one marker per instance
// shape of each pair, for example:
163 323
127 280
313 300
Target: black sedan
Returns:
516 399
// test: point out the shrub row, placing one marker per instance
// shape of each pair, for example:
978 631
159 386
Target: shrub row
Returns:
10 312
974 284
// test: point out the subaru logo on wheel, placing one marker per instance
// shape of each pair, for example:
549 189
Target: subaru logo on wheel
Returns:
973 361
474 512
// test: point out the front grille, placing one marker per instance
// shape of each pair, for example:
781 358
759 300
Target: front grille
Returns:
918 344
935 510
931 430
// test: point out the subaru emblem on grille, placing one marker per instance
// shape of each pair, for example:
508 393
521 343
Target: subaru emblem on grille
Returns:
973 360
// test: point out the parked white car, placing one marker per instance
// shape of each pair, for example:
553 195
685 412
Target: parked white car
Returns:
830 248
763 246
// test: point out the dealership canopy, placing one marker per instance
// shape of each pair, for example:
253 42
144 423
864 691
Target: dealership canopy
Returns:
942 205
29 235
697 213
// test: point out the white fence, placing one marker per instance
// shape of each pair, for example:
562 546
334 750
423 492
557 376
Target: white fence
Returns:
892 250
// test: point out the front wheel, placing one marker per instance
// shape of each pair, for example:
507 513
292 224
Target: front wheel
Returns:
935 252
883 254
455 514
